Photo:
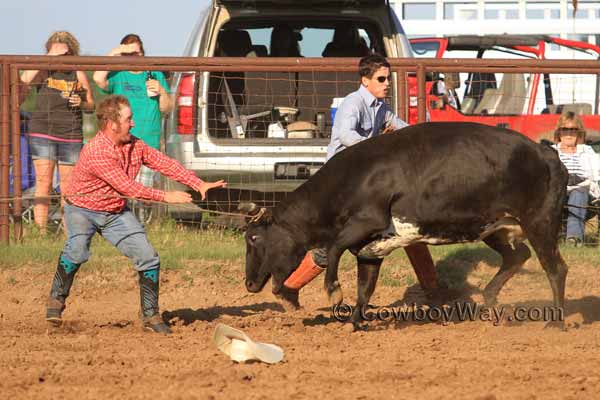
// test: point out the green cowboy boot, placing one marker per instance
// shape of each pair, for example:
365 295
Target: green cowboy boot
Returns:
151 319
61 285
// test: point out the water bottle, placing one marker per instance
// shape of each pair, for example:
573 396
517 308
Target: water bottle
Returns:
321 123
72 93
150 93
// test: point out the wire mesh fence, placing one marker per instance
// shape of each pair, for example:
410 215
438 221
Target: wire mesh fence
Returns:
263 125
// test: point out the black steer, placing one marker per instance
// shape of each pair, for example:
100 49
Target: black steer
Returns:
434 183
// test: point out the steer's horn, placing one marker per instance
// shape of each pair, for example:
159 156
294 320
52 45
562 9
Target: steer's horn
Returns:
259 215
252 210
248 208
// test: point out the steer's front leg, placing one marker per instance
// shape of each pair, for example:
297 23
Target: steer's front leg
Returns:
332 284
356 234
368 273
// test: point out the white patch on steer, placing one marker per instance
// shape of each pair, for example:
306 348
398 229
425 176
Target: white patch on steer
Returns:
402 234
398 234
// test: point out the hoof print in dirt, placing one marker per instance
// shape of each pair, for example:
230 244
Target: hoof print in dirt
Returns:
574 321
54 324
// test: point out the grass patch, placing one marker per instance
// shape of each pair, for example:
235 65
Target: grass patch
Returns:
208 250
179 247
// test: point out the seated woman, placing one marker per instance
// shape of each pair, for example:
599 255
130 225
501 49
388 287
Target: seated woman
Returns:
583 165
284 42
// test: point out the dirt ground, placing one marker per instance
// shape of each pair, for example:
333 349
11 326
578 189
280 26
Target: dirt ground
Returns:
101 352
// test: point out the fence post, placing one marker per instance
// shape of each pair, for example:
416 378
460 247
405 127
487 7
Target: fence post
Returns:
421 97
597 94
4 154
16 153
401 90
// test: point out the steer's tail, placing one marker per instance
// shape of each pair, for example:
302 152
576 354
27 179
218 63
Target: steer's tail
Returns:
556 180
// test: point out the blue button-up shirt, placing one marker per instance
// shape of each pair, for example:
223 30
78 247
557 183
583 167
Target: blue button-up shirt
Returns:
360 116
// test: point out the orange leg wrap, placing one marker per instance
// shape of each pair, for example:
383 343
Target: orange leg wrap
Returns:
306 272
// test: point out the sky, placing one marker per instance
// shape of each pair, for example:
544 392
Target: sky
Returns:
164 26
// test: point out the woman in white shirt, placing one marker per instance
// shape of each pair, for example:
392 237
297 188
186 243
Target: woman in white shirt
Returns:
583 165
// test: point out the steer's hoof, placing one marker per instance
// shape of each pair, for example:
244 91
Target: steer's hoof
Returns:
489 299
360 326
335 294
289 299
560 325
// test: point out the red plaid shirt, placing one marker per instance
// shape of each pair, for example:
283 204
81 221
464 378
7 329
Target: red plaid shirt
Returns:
106 171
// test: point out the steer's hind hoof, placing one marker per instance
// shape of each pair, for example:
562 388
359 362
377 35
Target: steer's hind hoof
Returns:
361 326
490 299
560 325
335 294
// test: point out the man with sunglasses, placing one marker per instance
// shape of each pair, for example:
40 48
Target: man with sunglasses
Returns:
364 114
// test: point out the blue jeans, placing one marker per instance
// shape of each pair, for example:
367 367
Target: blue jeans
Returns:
122 230
576 218
60 152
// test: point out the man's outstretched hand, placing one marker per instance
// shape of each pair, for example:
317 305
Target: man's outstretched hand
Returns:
206 186
184 197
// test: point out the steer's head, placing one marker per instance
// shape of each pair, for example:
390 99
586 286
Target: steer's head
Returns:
270 252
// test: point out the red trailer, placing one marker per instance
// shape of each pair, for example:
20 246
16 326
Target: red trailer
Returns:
528 103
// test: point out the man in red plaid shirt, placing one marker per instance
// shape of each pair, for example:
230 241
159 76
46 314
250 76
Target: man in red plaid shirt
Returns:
102 179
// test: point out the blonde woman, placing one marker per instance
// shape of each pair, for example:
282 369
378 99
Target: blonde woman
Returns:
570 120
55 131
583 165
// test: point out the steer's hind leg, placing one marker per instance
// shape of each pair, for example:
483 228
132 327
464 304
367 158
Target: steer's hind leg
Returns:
512 260
368 273
544 241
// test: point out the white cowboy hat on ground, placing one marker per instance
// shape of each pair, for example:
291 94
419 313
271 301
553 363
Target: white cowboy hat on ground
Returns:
239 347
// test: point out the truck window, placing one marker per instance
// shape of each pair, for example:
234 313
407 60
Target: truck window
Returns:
290 105
314 40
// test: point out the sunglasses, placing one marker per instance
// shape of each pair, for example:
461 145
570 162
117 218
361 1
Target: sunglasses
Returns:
382 79
134 53
566 131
